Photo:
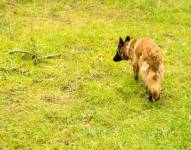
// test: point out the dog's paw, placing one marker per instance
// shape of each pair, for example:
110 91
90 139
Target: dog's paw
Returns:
150 98
136 78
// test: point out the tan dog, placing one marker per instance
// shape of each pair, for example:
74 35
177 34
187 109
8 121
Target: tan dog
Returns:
145 56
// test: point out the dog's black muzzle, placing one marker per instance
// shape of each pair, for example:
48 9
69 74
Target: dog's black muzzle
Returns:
116 58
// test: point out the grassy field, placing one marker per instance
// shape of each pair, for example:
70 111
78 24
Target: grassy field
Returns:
83 100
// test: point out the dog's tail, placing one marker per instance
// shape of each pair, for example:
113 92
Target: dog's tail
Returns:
153 80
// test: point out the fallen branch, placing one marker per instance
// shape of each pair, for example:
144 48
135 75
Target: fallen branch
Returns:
50 57
24 52
34 56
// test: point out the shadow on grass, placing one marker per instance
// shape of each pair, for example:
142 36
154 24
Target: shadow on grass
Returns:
132 90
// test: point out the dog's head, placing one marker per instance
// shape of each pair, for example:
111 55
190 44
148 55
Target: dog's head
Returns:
121 50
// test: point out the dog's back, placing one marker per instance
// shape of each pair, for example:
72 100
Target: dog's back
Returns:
151 65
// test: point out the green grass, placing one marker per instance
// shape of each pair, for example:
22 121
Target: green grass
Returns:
84 100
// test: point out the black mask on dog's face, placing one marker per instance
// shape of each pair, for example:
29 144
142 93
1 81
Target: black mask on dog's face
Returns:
118 56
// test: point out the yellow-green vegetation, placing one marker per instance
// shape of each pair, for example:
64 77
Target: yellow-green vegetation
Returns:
83 100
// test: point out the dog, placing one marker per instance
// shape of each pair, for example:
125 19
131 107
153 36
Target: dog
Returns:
146 56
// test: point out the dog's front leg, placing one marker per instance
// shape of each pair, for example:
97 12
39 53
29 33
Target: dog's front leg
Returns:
136 70
146 88
150 97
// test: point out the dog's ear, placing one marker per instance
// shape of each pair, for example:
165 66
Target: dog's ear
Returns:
127 38
121 42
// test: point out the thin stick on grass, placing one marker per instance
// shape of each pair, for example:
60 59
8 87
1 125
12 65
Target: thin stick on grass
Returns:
22 52
50 56
35 58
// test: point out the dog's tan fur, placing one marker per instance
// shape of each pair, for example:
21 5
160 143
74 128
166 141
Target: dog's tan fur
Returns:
146 56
